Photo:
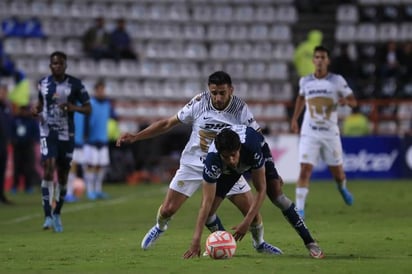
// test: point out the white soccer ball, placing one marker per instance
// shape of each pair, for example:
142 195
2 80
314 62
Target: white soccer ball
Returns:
220 245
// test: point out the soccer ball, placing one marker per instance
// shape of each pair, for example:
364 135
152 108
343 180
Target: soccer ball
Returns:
220 245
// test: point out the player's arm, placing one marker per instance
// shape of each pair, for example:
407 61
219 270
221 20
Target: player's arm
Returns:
299 106
38 107
349 100
208 195
259 182
153 130
85 108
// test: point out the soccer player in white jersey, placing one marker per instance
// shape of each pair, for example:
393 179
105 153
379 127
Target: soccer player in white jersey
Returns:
321 93
208 113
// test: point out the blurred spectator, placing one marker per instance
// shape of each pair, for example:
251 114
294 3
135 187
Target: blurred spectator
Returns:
390 60
121 43
20 94
303 56
406 61
12 27
24 136
96 41
32 28
5 119
344 65
356 124
15 27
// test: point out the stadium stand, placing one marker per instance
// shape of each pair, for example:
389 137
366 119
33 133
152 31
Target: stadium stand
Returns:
180 42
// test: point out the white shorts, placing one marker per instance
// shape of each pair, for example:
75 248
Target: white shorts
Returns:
312 149
189 178
95 156
78 157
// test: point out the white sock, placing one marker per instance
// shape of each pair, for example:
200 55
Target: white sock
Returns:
301 193
162 221
70 184
341 184
99 179
257 232
89 180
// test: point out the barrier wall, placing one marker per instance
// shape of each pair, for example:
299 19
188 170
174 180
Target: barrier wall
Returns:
372 157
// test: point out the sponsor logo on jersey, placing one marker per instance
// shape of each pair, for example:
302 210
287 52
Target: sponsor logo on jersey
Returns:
216 126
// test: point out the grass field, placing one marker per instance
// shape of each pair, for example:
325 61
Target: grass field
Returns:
372 236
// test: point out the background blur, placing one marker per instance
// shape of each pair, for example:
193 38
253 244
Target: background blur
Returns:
178 43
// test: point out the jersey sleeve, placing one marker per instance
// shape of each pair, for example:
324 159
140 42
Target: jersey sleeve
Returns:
212 168
254 142
301 91
186 113
343 86
248 119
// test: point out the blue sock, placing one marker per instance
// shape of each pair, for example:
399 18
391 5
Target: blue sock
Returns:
215 225
298 224
46 201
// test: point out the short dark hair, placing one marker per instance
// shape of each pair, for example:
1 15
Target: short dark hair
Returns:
321 49
227 140
59 54
220 78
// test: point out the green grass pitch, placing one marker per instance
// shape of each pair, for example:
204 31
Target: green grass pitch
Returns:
372 236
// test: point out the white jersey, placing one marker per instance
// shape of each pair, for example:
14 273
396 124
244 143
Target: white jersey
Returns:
322 96
207 122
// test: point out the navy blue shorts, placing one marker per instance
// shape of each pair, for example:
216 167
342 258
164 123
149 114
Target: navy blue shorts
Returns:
52 147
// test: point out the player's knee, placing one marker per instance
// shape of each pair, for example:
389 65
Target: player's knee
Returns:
282 202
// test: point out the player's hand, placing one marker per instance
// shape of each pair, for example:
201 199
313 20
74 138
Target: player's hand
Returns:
240 231
193 252
66 107
294 127
342 101
125 138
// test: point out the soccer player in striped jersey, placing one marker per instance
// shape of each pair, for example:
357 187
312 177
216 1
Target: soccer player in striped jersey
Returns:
208 113
58 96
321 92
234 151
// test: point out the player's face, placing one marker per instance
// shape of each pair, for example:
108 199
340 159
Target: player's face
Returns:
221 95
100 92
58 66
231 158
321 60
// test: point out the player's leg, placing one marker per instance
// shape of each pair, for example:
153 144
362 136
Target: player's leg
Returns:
309 150
63 162
103 162
48 148
73 174
274 184
70 197
180 189
340 179
91 159
333 157
241 196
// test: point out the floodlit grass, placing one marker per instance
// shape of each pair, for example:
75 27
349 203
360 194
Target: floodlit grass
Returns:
372 236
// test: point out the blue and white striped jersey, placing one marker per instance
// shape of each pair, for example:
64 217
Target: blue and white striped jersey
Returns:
52 94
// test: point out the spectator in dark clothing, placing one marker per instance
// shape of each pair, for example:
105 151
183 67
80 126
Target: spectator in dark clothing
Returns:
96 41
25 134
344 65
5 118
390 60
121 43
